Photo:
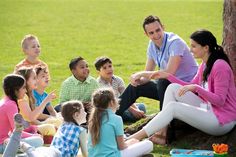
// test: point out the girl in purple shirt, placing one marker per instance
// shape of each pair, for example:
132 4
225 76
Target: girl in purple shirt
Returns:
208 102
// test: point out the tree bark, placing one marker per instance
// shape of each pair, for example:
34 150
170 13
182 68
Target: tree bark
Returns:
229 32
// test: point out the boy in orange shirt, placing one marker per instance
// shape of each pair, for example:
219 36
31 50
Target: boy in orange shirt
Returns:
31 48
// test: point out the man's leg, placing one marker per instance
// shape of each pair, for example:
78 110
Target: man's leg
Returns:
131 94
162 84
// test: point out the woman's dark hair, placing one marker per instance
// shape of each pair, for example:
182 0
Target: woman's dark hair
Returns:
69 108
11 85
100 101
205 37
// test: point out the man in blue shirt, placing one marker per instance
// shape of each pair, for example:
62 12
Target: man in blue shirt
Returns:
169 53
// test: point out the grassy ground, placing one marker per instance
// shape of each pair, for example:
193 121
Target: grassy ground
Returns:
71 28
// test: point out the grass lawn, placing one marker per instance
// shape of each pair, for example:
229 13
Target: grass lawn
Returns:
91 28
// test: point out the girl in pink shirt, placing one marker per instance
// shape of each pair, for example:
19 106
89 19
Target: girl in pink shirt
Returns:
208 102
14 88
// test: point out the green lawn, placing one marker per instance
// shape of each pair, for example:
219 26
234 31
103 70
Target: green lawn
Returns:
91 28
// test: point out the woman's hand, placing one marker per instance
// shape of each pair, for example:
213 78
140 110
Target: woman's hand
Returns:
186 88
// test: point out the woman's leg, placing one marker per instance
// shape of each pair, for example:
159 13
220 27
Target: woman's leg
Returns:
172 94
137 149
191 114
202 119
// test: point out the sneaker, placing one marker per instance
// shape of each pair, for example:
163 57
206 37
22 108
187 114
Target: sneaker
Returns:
20 122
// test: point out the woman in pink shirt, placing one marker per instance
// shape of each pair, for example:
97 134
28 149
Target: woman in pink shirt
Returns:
14 88
208 102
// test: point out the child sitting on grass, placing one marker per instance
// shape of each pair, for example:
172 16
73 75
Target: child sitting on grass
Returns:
49 114
31 48
106 134
71 136
79 86
15 142
39 92
108 79
66 143
27 107
14 87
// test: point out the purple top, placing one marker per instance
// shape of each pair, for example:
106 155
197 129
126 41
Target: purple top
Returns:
173 45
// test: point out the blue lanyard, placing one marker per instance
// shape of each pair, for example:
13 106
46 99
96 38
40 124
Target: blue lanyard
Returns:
162 52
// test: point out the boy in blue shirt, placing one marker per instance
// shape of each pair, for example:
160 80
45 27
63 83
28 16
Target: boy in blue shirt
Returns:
40 94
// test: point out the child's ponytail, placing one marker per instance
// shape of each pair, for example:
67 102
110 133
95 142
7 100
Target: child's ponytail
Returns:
100 101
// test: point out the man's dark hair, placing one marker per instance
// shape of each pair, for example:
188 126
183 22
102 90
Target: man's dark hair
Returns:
150 19
101 61
74 62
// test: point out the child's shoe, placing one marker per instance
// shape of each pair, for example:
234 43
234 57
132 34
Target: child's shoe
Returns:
20 123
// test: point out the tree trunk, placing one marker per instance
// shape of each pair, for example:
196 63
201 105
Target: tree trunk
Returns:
229 32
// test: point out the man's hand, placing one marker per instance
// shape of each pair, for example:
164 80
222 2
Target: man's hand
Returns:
159 75
140 78
135 79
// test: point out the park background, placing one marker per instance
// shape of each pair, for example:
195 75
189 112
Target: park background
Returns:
91 28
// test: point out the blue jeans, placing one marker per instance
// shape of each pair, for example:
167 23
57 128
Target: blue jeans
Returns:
127 115
2 148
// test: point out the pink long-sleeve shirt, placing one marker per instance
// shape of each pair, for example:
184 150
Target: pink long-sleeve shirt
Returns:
221 91
8 108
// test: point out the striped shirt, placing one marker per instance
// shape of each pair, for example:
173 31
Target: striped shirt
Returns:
117 84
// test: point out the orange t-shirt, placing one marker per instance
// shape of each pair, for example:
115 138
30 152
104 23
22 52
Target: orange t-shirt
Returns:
26 63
